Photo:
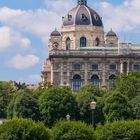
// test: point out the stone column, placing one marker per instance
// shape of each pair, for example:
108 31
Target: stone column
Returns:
103 79
121 67
103 76
68 74
51 73
86 73
61 75
128 64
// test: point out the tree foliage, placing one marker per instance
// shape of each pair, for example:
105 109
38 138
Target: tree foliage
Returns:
120 130
129 85
71 130
116 107
56 103
135 104
6 92
24 105
84 97
24 129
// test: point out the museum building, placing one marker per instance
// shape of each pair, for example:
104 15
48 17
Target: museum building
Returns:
82 53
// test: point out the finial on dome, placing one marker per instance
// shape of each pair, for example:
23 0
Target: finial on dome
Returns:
82 2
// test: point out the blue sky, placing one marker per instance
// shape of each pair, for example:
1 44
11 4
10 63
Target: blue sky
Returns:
25 26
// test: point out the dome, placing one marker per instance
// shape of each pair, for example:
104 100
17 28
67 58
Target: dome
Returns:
55 33
111 34
82 15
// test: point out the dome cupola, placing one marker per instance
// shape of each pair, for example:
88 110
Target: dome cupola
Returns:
82 15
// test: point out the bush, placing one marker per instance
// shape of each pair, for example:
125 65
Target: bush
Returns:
55 103
71 130
135 104
24 129
121 130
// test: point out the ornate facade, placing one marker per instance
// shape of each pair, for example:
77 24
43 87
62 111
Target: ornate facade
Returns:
81 53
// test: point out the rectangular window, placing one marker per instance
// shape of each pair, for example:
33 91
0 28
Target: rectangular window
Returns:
136 67
112 66
95 66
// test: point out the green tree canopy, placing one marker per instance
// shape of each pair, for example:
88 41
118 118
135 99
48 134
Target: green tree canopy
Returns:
129 85
56 103
135 104
84 97
120 130
24 105
116 107
71 130
24 129
7 90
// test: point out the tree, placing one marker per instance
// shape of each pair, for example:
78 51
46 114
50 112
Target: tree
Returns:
116 107
119 130
71 130
24 129
24 105
129 85
20 86
6 92
84 97
135 104
56 103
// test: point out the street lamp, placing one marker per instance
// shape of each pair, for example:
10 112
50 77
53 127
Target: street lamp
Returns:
68 117
93 107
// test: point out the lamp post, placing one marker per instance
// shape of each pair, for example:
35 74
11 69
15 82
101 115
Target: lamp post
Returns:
68 117
93 107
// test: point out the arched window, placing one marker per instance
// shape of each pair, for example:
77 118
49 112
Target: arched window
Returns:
125 67
136 67
112 77
76 66
94 66
112 66
55 45
68 43
95 80
112 81
97 41
83 42
76 84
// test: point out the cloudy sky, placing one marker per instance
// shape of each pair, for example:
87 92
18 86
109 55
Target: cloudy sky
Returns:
25 26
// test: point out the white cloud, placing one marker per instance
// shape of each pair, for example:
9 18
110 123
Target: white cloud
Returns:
23 62
10 38
39 22
7 13
60 6
25 42
123 17
5 38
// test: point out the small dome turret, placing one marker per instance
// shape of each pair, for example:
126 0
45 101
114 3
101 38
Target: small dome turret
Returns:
111 38
111 34
55 33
